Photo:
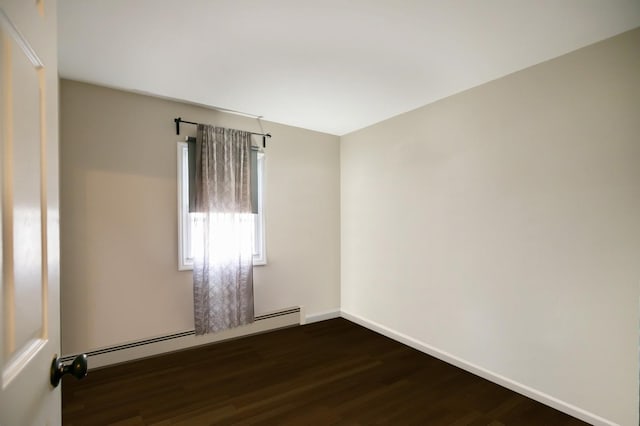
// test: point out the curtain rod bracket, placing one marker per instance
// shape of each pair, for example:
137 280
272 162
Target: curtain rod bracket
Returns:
177 120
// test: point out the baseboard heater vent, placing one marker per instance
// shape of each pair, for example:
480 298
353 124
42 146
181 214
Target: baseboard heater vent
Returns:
68 358
277 314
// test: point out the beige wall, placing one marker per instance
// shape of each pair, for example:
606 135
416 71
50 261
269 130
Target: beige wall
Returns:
500 227
120 280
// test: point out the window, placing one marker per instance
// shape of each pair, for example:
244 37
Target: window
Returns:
187 220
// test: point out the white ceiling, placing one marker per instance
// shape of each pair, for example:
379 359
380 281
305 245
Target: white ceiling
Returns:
329 65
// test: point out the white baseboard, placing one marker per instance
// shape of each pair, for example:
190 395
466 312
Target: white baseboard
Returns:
120 355
322 316
482 372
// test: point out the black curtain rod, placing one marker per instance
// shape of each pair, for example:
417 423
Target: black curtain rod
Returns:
180 120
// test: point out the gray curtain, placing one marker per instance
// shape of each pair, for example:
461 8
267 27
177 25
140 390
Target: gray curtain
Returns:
223 230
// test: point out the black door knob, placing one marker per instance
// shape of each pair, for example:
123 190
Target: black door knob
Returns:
78 369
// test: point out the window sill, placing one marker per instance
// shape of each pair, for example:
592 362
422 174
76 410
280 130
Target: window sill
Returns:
189 267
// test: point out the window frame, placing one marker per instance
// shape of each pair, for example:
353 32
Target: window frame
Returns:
185 263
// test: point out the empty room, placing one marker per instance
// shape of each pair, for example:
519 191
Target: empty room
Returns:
283 212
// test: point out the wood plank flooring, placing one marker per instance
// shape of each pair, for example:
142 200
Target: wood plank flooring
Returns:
328 373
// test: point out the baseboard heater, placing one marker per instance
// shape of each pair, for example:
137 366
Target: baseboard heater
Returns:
68 358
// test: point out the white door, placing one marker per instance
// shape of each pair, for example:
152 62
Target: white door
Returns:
29 300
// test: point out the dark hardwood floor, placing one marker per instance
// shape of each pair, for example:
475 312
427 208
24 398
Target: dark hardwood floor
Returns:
328 373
